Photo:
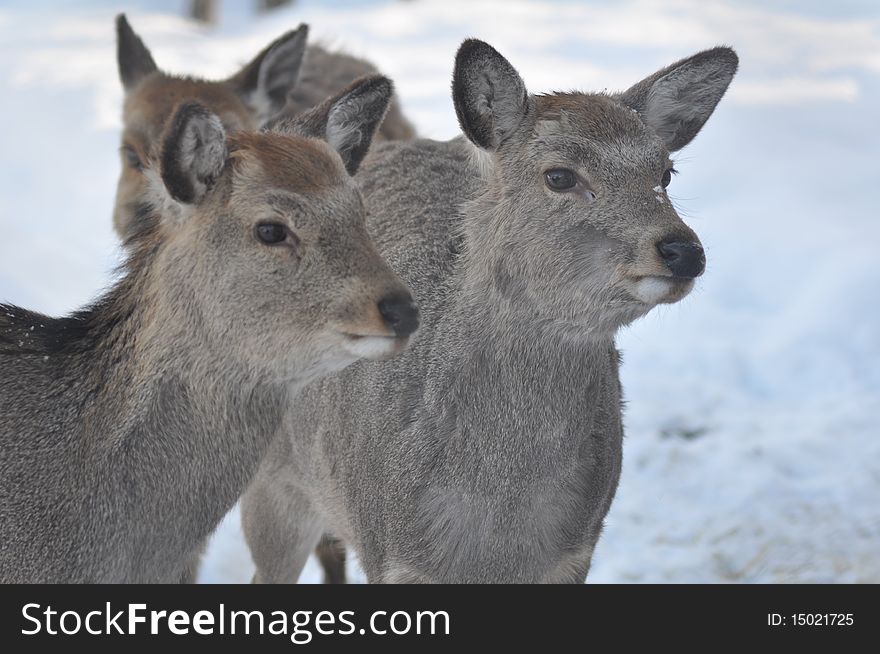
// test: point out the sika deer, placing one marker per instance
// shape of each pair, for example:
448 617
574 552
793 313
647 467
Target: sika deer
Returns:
285 75
490 451
128 429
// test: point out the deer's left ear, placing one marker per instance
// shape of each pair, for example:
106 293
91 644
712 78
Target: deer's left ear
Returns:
132 56
193 152
676 101
489 95
265 82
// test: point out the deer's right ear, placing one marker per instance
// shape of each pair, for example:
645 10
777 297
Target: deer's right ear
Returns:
134 60
265 82
193 152
347 121
489 95
676 101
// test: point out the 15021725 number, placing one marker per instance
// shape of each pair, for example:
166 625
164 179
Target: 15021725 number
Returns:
821 619
809 619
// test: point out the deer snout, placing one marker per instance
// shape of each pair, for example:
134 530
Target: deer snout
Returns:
683 259
400 313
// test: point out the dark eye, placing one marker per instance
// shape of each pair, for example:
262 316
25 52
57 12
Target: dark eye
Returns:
560 179
131 158
272 233
667 176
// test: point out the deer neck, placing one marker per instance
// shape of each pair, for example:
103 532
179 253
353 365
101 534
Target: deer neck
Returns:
174 424
493 304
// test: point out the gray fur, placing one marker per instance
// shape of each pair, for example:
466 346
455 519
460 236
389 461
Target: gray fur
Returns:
490 451
129 429
677 100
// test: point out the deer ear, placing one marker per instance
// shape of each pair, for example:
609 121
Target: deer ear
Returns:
193 152
265 82
489 95
134 60
676 101
347 121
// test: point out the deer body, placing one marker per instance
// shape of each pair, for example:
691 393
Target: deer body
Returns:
491 450
128 430
287 75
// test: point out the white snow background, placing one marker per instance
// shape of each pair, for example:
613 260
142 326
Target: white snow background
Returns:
753 416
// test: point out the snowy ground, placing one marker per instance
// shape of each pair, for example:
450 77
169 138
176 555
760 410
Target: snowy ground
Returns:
753 423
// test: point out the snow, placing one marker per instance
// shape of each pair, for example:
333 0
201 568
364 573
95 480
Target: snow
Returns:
753 406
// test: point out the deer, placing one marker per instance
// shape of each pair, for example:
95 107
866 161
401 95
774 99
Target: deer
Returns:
490 451
129 428
287 74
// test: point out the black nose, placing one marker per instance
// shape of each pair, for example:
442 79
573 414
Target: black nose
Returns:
400 313
685 260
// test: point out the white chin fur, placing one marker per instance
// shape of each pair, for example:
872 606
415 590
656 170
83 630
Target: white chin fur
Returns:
654 290
371 347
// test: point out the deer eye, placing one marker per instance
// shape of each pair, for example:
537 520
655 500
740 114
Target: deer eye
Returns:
132 160
560 179
272 233
667 176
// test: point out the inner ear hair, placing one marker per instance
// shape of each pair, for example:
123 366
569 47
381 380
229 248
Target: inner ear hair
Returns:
489 95
354 119
347 120
676 101
194 152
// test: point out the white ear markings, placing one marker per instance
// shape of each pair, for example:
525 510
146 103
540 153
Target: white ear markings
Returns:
343 130
482 160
